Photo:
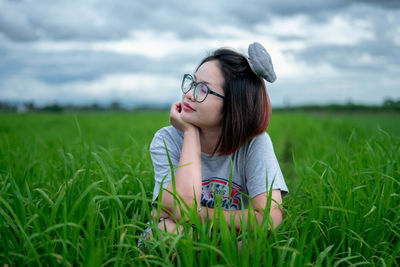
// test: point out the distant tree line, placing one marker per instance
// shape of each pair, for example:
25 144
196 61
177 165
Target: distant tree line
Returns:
56 107
387 105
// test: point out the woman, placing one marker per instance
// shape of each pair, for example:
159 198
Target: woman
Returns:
220 121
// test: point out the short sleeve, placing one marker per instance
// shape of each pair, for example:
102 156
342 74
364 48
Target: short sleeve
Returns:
162 169
262 167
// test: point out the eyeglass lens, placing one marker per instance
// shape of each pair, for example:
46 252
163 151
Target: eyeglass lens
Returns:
200 91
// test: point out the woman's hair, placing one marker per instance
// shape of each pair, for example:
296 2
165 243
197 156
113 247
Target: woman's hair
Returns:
246 110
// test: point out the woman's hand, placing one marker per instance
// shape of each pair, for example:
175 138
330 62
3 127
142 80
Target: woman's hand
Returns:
175 117
163 214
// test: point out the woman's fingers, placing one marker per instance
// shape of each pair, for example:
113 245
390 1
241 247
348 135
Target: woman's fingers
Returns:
175 117
170 226
176 109
176 106
173 112
179 107
163 214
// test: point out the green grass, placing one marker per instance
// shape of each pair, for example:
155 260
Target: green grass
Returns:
76 190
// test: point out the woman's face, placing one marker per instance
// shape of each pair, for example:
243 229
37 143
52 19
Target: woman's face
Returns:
208 114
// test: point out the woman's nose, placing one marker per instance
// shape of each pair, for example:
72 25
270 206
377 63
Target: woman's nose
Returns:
190 94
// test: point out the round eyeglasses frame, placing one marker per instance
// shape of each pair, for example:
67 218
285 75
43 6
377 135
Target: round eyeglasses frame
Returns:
195 85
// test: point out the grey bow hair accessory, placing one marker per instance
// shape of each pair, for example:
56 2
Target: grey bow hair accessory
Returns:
260 62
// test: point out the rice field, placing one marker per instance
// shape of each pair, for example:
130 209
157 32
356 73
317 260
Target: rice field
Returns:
75 190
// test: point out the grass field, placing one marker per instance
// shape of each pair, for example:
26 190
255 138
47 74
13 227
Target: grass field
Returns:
75 189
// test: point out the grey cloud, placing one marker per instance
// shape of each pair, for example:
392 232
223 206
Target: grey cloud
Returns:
260 11
351 58
92 20
62 67
22 21
95 20
383 3
382 48
313 7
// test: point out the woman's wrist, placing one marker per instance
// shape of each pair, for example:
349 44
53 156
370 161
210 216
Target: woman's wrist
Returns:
191 129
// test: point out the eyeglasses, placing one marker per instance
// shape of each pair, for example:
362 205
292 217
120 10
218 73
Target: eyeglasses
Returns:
201 90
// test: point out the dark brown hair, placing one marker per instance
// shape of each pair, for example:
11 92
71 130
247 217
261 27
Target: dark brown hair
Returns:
246 110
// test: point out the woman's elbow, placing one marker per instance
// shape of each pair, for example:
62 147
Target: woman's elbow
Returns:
276 216
179 205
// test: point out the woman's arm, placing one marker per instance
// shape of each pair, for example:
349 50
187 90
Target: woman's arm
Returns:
188 177
259 203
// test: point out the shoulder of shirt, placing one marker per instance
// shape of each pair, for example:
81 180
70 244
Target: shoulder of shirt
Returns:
260 139
169 130
169 134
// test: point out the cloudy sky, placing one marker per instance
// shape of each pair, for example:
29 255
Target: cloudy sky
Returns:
323 51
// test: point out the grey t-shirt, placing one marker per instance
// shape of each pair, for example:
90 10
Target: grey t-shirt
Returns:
254 169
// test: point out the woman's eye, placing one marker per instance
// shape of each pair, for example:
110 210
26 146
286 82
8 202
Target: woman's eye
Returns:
203 88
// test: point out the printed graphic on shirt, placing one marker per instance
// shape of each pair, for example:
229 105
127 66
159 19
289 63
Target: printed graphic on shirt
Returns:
220 187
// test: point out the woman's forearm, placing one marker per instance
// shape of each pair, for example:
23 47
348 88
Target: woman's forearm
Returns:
240 215
188 177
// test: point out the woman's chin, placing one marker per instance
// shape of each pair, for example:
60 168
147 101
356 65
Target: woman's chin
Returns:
189 119
186 117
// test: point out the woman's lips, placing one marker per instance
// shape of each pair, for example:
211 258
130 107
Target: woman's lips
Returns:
187 107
